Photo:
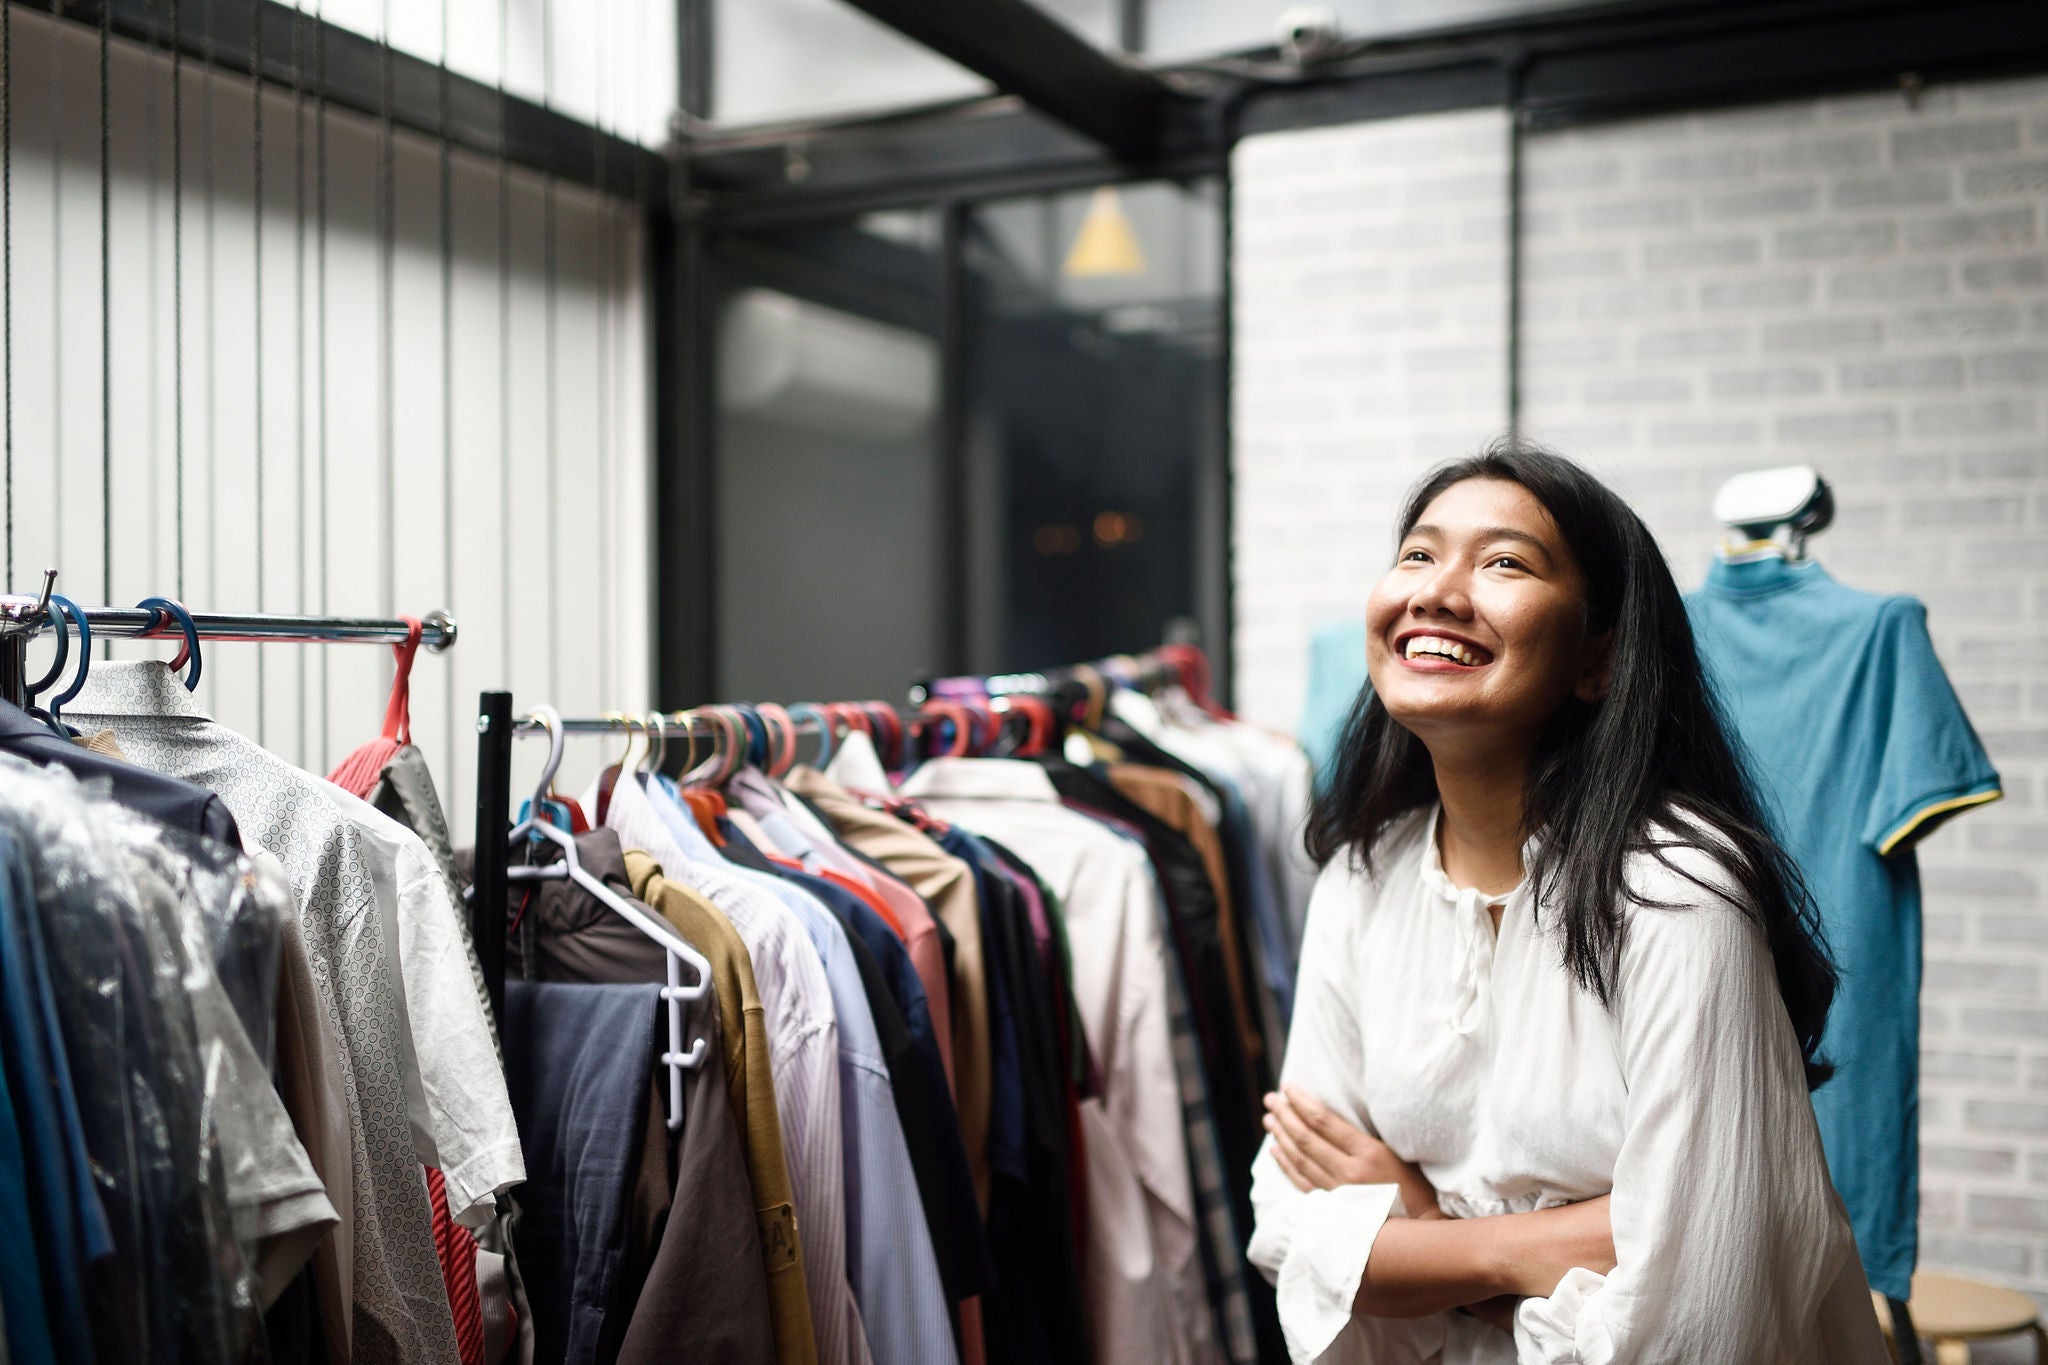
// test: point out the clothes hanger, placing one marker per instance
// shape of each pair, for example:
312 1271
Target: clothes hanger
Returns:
766 724
398 711
61 619
1773 511
658 753
821 719
758 752
571 868
1045 724
609 775
63 699
176 610
1098 694
695 773
65 614
888 732
782 756
697 784
943 711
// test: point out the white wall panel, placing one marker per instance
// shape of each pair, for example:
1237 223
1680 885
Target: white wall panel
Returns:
372 485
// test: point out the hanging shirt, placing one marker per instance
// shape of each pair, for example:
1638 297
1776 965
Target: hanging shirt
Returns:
64 1219
750 1091
705 1296
803 1039
1859 746
1477 1057
400 1308
1336 672
578 1059
475 1137
890 1261
1143 1280
948 885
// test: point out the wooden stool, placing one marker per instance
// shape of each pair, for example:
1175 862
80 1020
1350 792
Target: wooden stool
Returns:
1953 1313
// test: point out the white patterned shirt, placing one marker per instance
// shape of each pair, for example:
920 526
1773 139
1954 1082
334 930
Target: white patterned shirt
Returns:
400 1305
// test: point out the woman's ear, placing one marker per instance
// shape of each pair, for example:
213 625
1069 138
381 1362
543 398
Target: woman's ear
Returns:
1598 673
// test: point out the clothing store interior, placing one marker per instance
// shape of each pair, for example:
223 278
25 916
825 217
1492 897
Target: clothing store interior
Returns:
879 682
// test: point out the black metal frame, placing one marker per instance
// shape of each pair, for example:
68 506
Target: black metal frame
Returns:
1024 51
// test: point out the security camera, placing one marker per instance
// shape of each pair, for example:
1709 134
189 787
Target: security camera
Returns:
1308 34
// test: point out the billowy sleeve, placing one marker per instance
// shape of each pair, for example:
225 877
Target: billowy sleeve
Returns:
1313 1246
1727 1231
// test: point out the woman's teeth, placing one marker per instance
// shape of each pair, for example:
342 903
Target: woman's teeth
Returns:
1448 649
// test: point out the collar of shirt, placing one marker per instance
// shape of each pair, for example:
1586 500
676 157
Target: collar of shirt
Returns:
139 688
980 779
756 794
1477 937
857 766
1763 575
1215 756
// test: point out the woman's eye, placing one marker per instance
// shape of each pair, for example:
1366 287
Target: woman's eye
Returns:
1415 557
1504 562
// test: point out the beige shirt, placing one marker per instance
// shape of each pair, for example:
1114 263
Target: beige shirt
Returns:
947 884
750 1086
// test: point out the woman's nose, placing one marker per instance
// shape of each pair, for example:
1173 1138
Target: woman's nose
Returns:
1442 593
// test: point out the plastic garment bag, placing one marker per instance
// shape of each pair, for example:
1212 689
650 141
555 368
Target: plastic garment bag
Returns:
158 1063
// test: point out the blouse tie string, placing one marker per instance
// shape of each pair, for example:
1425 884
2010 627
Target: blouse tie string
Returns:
1475 970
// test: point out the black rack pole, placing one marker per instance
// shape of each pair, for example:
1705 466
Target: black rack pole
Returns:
493 800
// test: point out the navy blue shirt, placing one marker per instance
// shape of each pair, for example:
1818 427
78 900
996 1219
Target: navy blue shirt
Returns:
170 801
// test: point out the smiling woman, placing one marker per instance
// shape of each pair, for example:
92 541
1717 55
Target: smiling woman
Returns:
1545 1098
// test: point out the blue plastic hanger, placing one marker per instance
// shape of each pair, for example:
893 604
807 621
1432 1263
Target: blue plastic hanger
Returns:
186 624
63 699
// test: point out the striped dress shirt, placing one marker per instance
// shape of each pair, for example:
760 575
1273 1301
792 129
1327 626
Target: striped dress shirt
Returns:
894 1269
889 1257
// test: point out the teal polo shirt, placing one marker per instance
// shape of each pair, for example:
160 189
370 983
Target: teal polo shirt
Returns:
1858 746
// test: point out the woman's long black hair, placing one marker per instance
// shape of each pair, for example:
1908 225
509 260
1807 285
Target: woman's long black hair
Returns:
1652 750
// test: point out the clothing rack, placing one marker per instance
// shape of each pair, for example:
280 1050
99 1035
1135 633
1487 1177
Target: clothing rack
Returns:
23 617
1075 692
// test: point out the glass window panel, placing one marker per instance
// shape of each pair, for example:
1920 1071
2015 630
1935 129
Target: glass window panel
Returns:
780 60
1095 423
827 460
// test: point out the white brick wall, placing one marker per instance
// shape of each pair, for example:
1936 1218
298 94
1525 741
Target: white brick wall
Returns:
1858 283
1370 264
1861 285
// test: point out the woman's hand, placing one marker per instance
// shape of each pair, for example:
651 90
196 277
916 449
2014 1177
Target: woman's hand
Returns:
1317 1150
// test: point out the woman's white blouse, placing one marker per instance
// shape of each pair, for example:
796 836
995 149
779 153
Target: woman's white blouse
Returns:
1477 1057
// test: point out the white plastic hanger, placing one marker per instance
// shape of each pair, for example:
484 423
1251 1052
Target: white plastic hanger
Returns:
571 868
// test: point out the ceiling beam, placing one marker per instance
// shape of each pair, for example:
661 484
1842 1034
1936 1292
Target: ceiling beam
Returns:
1026 52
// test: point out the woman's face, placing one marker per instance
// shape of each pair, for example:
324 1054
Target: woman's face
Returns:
1479 630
